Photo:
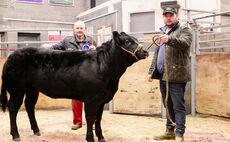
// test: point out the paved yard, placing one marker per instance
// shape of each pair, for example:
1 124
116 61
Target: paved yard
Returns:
55 126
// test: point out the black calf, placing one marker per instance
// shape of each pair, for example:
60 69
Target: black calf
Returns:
91 77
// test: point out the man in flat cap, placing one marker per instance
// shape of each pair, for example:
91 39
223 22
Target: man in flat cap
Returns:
171 62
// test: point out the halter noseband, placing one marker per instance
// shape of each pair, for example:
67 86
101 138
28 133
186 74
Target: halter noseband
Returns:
139 47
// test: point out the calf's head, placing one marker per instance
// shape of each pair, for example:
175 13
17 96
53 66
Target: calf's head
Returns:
129 45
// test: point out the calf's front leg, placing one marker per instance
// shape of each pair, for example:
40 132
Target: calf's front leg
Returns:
98 129
90 115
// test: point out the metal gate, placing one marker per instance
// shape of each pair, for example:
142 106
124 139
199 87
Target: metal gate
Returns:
210 45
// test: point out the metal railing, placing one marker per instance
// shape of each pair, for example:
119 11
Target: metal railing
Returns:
7 47
192 13
207 39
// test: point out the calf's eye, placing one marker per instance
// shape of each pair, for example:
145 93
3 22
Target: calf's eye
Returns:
127 42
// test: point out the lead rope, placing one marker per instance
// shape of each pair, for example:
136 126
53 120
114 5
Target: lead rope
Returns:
167 89
155 40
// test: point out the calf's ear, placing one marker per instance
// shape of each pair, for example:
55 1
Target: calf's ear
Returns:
115 34
123 33
116 37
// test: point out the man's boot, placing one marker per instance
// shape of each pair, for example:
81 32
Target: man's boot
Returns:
168 135
179 139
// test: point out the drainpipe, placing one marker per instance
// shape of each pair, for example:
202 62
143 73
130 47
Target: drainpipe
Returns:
92 3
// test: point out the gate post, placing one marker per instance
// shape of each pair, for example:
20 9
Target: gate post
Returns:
193 72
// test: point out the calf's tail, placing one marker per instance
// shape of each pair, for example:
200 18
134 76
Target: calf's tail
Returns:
3 95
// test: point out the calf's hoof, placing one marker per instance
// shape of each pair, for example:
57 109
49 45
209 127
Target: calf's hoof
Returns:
37 133
17 139
102 140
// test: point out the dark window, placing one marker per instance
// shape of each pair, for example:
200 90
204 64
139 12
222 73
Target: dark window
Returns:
62 2
28 37
3 47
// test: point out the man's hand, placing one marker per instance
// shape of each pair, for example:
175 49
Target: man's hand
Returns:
164 38
150 78
92 47
46 45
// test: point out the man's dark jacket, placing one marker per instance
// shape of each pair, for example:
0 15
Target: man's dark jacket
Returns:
177 56
70 43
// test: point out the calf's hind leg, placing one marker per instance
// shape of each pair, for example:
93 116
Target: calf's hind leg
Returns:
15 102
90 114
98 129
30 102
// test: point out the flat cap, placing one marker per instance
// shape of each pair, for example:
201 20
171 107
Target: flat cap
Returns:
169 10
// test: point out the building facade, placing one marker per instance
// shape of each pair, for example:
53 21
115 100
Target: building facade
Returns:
145 17
30 20
101 17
